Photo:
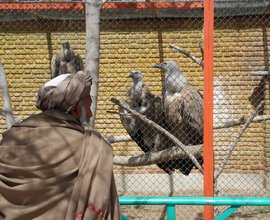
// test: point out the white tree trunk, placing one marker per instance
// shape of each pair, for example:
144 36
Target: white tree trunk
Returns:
7 108
92 13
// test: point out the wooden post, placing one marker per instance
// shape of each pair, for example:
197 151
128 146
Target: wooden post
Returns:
92 16
6 98
208 151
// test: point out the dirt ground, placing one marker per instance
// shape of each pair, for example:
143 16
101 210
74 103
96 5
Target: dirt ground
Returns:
192 213
147 212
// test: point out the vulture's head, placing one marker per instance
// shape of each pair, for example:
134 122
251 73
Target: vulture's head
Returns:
136 75
67 52
66 45
168 66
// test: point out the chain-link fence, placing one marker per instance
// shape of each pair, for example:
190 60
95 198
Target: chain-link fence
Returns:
241 83
151 58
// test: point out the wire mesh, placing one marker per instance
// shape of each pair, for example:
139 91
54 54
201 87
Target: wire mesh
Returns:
241 55
134 37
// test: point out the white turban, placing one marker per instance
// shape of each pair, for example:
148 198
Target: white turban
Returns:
64 91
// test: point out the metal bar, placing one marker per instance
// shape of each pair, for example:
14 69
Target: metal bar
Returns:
190 200
208 152
171 212
227 213
124 217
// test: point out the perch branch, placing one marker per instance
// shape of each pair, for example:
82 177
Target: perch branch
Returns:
242 121
6 97
236 139
161 129
228 124
117 139
181 50
117 113
157 156
260 73
3 113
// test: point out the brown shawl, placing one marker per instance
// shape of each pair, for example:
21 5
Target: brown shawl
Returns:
51 168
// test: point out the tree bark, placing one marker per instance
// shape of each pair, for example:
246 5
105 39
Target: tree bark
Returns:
7 110
158 156
186 53
92 13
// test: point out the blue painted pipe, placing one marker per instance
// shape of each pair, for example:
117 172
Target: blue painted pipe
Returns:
190 200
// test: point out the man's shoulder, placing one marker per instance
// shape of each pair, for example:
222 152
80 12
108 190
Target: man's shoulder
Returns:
91 131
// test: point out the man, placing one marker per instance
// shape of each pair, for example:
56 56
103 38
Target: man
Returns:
51 168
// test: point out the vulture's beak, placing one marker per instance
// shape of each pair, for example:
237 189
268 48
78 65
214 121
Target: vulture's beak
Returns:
157 66
130 75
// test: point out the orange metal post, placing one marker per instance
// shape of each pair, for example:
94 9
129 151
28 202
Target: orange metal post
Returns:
208 151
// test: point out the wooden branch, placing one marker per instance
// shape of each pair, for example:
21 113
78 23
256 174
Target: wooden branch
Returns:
3 113
181 50
233 123
92 13
158 156
236 139
202 50
6 98
117 113
242 121
260 73
161 129
117 139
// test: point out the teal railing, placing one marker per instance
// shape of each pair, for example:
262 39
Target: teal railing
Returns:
233 202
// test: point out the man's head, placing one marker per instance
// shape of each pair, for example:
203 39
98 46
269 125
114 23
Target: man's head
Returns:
69 93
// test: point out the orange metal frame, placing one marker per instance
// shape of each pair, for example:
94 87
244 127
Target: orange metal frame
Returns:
80 6
208 152
208 6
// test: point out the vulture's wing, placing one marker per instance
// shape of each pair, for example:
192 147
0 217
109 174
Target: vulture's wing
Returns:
78 62
142 135
184 112
191 109
55 63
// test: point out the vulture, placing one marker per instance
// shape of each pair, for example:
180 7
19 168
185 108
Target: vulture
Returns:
183 109
66 62
143 101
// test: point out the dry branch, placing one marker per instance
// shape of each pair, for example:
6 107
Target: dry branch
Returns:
117 139
161 129
3 113
92 13
242 121
228 124
236 139
158 156
183 51
260 73
6 98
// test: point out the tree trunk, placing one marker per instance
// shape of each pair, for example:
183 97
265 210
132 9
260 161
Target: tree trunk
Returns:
92 13
6 98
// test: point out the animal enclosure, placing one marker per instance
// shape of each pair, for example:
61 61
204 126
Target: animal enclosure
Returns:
151 60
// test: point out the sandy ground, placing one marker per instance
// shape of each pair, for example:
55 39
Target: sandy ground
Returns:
192 213
147 212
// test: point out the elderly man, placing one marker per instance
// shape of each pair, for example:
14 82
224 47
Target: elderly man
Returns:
53 168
